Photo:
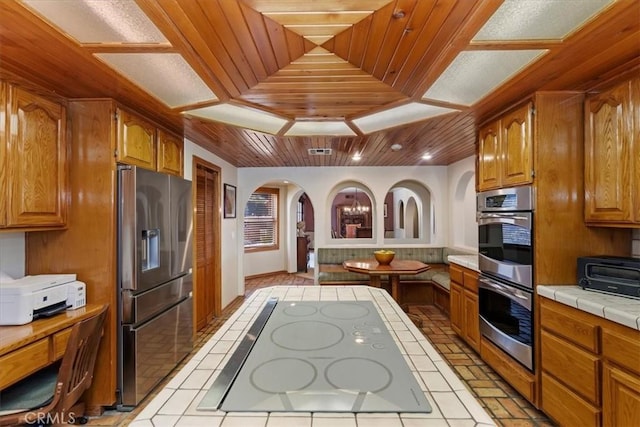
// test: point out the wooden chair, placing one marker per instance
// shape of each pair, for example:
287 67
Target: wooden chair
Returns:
51 396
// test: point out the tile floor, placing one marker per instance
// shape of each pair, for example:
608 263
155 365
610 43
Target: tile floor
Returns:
504 404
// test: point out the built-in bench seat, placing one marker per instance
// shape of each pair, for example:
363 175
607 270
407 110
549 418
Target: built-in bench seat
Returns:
430 287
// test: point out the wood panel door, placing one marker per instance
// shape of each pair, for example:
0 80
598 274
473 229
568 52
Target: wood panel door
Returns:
208 287
136 140
36 153
471 323
621 397
489 158
517 147
608 189
635 177
170 153
456 313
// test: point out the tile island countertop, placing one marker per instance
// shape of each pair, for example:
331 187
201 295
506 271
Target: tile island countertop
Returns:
452 403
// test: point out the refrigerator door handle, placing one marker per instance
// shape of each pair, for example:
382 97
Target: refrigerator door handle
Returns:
127 243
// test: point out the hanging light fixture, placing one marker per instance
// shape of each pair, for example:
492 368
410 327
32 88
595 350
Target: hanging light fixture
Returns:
356 208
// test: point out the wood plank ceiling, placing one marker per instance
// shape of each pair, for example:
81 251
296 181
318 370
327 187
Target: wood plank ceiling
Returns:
322 61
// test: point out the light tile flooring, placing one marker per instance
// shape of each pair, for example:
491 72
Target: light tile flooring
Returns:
505 405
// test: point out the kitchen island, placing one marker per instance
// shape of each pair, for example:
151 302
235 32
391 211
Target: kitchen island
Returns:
452 404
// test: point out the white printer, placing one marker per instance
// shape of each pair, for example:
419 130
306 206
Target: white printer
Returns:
26 299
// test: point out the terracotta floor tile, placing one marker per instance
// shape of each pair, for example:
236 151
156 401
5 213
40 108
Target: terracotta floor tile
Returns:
489 392
474 383
513 408
495 408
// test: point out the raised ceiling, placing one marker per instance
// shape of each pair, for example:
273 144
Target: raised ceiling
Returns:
260 82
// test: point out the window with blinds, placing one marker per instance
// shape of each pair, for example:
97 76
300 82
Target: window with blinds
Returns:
261 220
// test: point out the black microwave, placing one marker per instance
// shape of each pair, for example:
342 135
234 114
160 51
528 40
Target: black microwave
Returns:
614 275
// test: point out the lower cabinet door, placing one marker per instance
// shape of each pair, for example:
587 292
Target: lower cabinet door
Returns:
456 314
621 397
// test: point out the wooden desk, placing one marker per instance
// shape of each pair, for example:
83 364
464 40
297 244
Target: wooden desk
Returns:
24 349
393 270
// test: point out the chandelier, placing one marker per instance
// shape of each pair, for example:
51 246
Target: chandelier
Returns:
356 208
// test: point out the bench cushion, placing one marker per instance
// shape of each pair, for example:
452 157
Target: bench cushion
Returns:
441 278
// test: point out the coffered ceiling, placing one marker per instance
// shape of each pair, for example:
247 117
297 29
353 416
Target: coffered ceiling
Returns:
261 82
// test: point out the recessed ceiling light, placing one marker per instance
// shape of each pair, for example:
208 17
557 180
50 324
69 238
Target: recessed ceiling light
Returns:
426 156
396 147
356 157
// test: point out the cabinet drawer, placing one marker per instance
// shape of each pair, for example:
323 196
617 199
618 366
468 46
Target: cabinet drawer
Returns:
569 323
471 281
60 340
566 407
23 362
456 274
622 348
575 367
519 378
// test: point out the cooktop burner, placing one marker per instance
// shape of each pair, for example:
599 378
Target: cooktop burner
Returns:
318 357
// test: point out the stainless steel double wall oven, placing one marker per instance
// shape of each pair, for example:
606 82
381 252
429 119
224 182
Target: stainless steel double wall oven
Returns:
505 237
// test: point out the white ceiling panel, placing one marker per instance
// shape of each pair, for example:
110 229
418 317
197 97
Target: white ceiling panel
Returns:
304 128
404 114
242 117
99 21
474 74
167 76
538 19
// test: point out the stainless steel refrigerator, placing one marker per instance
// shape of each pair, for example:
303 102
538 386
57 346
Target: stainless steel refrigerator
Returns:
155 225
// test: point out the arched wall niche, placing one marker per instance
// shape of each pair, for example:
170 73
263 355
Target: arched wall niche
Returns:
465 234
348 222
412 213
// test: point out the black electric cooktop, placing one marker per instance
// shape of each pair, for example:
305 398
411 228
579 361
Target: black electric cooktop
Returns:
330 356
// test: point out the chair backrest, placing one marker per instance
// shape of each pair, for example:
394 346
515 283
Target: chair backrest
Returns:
76 371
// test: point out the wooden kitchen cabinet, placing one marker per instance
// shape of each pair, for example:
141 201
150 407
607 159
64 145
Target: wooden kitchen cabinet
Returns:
140 143
136 140
463 297
612 156
33 161
505 150
590 368
620 375
621 400
489 164
170 153
456 292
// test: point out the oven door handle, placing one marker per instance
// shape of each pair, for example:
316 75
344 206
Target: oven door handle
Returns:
513 294
504 218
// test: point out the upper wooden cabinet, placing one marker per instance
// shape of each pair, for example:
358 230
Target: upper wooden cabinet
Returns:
612 156
489 157
33 156
505 150
170 153
136 140
140 143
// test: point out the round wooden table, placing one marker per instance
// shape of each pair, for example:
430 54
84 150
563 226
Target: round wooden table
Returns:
393 270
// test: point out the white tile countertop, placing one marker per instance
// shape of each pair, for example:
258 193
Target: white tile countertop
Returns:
625 311
469 261
452 403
